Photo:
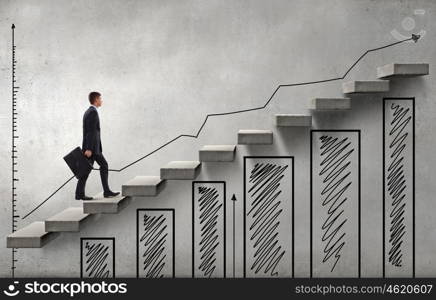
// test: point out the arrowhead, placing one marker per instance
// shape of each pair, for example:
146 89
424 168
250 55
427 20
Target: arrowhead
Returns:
13 26
233 197
415 37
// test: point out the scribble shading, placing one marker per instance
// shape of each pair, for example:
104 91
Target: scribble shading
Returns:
97 258
209 213
335 203
264 212
398 179
155 244
335 170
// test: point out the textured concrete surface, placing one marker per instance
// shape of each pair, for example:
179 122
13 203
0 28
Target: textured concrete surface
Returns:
291 120
30 236
101 205
180 169
255 137
161 66
331 104
394 70
70 219
217 153
143 186
365 86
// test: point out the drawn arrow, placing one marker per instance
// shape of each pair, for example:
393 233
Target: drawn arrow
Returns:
234 247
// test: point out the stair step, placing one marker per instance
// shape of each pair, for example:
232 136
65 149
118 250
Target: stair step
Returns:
365 86
255 137
101 205
30 236
143 186
292 120
70 219
217 153
180 170
395 70
321 104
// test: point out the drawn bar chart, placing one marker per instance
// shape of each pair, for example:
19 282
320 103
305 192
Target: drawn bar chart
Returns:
97 257
208 229
335 203
399 187
155 252
268 216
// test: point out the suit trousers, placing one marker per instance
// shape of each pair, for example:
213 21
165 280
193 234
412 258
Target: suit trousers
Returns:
104 174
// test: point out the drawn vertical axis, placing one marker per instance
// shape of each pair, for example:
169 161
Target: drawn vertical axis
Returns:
14 155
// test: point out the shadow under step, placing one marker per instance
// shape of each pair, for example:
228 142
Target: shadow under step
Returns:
292 120
395 70
33 235
141 186
217 153
330 104
255 137
69 220
101 205
180 170
365 86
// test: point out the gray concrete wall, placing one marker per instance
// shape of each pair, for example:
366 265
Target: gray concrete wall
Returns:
161 67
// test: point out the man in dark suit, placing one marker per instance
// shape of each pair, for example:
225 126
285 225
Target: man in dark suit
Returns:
92 148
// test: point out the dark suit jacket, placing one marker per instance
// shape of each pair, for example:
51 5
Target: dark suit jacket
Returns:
91 131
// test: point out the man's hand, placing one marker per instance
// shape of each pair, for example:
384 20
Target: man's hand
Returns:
88 153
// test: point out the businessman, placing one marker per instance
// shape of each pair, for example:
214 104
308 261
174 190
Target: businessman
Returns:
91 146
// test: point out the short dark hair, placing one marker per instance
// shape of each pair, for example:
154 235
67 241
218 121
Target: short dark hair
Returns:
92 96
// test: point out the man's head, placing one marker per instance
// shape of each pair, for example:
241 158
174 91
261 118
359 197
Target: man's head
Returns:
95 99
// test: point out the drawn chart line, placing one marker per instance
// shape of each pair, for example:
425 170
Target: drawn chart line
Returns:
414 37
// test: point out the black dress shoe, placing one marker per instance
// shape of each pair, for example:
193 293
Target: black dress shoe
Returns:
110 194
85 198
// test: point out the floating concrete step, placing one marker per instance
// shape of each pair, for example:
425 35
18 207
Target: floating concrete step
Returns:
180 170
143 186
101 205
255 137
292 120
365 86
328 104
70 219
217 153
395 70
31 236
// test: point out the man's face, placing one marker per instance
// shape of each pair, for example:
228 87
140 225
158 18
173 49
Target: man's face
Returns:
98 102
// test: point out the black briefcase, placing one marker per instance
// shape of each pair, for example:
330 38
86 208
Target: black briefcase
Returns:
78 163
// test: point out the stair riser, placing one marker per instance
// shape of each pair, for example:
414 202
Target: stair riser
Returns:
283 121
217 156
67 226
106 208
179 174
30 242
255 139
143 191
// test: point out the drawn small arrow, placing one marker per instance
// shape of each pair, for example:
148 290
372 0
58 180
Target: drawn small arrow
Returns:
234 246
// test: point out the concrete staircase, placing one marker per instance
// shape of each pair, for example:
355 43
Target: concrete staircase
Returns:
37 234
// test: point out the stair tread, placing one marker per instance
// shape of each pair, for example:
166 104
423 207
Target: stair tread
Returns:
394 70
142 180
33 235
229 148
328 104
70 214
293 120
143 186
365 86
182 164
103 205
255 131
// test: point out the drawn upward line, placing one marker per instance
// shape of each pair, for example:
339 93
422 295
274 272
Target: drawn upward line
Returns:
414 37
